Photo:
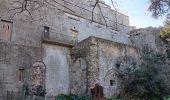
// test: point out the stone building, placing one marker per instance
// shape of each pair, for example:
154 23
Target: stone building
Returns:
149 38
61 51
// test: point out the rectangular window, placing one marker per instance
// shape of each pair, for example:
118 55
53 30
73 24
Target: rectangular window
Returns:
46 32
21 74
5 30
112 82
74 33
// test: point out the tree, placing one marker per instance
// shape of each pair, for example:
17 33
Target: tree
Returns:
165 31
148 81
159 7
29 6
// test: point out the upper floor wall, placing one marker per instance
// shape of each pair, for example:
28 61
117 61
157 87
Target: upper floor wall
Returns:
66 22
147 38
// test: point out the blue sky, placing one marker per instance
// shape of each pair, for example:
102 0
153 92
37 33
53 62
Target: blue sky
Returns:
138 14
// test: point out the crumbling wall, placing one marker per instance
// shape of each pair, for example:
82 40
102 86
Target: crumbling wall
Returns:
147 37
105 59
78 77
115 58
149 40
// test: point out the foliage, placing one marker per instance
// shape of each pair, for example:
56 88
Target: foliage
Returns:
145 84
40 91
25 89
165 32
114 98
72 97
159 7
166 98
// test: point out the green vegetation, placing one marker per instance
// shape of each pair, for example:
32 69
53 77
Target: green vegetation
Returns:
165 34
165 31
144 84
72 97
148 81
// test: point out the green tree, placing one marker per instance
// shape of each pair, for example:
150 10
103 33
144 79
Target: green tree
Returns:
148 81
144 84
165 31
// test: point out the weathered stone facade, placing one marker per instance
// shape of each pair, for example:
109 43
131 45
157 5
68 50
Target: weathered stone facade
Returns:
104 59
147 37
61 52
15 64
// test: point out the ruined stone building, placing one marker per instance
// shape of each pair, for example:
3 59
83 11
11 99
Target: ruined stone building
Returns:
61 51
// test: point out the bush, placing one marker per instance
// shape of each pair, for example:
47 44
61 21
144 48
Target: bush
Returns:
72 97
145 84
114 98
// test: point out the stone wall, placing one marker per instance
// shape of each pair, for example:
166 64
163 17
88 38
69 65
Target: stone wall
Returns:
149 40
34 70
58 62
26 55
115 58
147 37
77 26
104 59
15 63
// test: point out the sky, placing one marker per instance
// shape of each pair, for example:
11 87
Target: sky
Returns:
138 13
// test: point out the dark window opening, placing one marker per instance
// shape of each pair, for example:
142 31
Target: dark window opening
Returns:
80 63
46 32
21 74
112 82
118 65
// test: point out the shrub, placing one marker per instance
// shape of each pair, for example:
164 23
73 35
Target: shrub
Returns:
145 84
72 97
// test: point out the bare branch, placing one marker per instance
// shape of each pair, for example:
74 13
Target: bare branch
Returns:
32 5
97 4
159 7
63 5
115 13
102 14
97 1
